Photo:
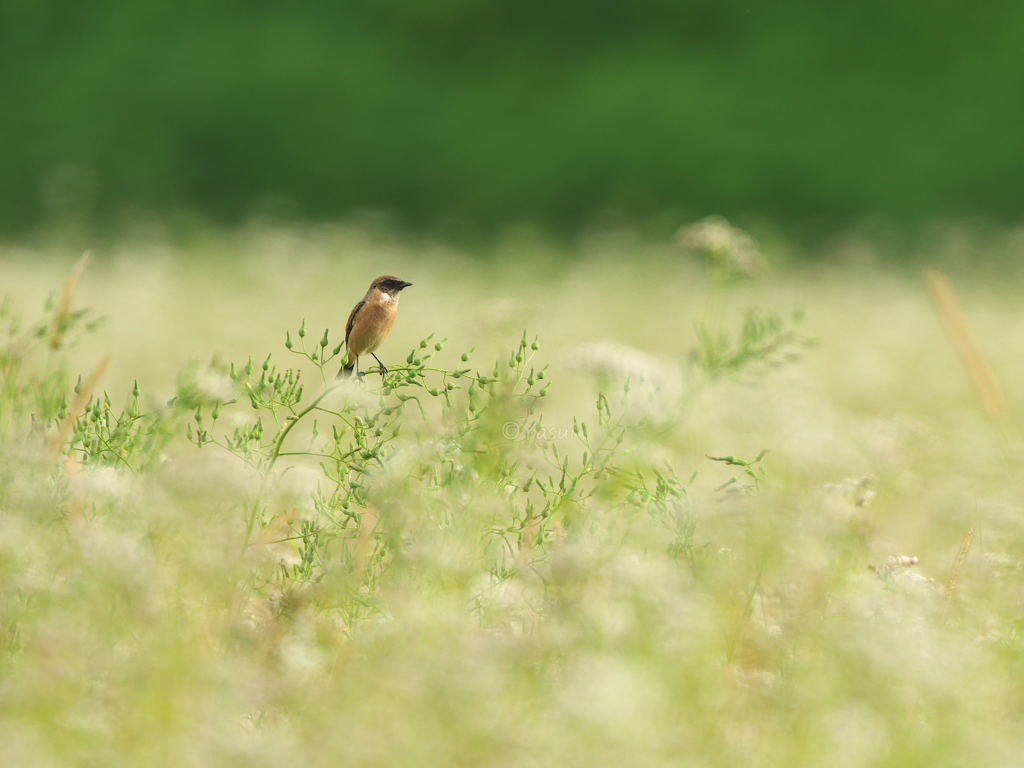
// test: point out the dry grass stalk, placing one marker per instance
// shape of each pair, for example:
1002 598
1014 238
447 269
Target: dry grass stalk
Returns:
73 471
364 544
958 564
77 407
966 345
62 315
527 540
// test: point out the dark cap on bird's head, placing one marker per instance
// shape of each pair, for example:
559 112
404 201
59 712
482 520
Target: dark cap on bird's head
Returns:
389 284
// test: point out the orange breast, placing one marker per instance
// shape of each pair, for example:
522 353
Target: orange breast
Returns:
372 325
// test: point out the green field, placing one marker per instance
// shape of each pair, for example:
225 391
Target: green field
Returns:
635 505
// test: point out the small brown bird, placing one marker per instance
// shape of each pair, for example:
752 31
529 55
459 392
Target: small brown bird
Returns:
371 321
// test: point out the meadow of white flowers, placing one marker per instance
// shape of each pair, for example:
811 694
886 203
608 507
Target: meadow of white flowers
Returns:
700 504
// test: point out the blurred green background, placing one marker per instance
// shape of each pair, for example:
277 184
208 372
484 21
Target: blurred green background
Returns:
485 113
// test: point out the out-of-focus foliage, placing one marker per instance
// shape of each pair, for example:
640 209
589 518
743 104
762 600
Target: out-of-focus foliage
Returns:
652 539
490 112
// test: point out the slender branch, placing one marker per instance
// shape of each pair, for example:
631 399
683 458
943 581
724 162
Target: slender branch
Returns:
276 452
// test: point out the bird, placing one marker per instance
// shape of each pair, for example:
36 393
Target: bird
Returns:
370 322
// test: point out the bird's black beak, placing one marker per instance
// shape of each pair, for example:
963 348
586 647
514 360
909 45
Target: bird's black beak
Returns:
403 284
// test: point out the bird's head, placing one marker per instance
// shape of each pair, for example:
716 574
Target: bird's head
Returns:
389 285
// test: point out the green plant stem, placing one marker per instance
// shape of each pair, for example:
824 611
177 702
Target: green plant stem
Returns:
276 452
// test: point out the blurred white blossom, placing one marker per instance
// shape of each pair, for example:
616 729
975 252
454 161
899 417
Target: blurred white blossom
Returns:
655 387
214 385
108 483
726 248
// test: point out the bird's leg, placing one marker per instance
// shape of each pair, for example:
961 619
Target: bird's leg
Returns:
383 369
359 374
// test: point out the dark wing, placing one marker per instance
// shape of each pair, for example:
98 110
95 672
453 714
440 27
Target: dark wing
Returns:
352 318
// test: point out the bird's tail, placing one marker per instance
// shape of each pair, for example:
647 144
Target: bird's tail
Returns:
348 367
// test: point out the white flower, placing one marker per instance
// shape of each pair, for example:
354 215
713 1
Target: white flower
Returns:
655 386
299 482
107 483
724 246
610 691
351 393
215 386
